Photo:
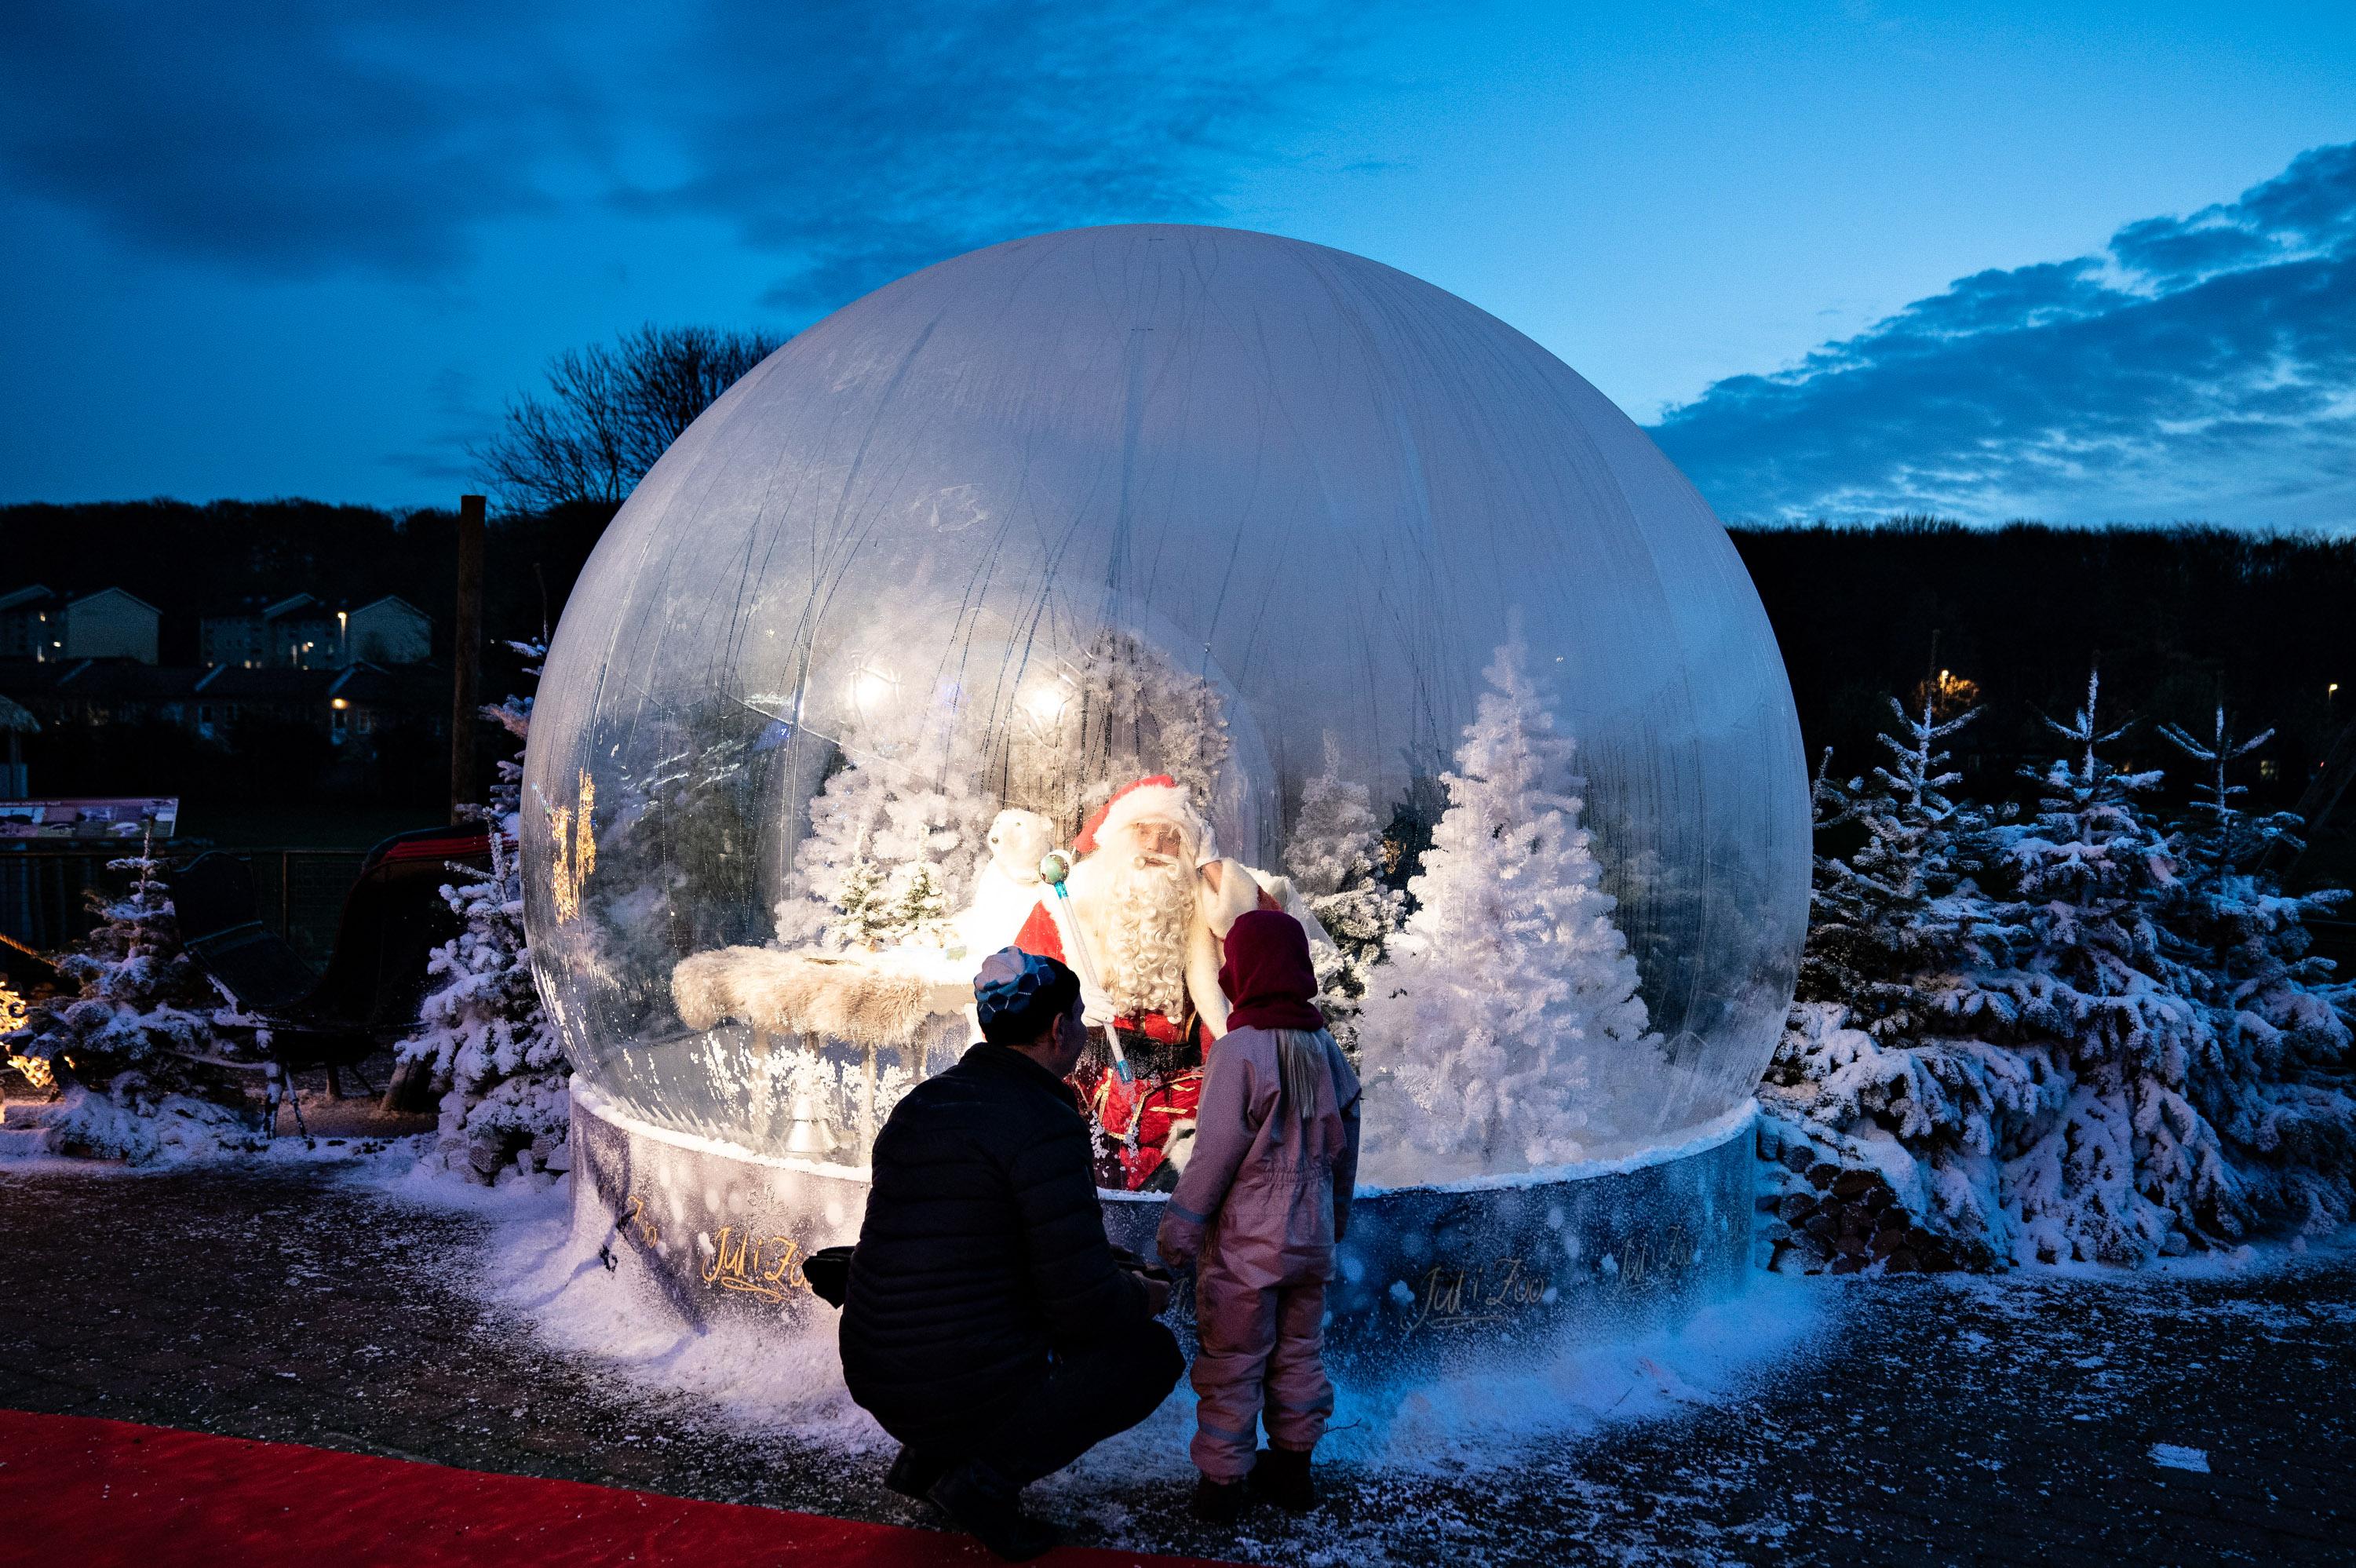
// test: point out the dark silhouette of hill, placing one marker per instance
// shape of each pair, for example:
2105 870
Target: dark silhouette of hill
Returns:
2179 618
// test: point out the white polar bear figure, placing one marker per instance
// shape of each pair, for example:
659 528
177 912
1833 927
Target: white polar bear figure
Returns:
1007 888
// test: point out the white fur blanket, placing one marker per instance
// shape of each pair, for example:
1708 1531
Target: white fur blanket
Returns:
862 1002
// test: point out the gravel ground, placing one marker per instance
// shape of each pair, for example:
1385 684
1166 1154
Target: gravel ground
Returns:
1932 1420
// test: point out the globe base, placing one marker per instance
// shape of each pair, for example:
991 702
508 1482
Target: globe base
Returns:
1428 1277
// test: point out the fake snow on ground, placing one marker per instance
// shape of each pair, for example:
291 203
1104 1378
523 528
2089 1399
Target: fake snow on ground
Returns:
784 1381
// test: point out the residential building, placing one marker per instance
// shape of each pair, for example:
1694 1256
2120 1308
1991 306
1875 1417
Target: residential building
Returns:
29 626
298 632
358 700
388 632
110 624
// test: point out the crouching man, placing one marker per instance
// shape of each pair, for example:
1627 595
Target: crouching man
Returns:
987 1325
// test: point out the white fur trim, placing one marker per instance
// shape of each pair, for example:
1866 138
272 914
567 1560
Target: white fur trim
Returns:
1158 803
1203 957
1241 890
1235 894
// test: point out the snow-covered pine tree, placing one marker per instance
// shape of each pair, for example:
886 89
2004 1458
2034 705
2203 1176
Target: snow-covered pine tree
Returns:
1884 1063
2129 1167
121 1047
920 903
1335 860
482 1035
882 815
1509 996
1884 922
2277 1091
863 913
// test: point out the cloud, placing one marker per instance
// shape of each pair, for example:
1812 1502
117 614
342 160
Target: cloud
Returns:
2199 367
851 142
908 135
277 139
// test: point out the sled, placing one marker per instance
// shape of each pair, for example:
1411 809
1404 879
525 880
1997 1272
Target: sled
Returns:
298 1016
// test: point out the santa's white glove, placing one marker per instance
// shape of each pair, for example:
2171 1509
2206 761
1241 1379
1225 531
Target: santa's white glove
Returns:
1096 1008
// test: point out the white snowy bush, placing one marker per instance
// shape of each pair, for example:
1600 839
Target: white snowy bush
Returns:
490 1049
1508 1003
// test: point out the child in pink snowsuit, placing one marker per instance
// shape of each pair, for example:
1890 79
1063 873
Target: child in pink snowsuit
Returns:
1264 1196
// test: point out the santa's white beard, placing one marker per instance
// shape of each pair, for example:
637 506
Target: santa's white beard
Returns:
1136 918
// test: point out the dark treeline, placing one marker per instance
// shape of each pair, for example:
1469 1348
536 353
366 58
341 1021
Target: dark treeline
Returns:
2179 618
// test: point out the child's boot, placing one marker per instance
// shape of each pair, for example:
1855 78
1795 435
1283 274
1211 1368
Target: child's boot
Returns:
1218 1502
1281 1477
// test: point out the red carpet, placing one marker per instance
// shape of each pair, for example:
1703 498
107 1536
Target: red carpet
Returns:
77 1492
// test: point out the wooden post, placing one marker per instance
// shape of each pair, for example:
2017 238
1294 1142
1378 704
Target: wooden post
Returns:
466 654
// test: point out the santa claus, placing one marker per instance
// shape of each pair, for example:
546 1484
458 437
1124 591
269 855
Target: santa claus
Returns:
1148 900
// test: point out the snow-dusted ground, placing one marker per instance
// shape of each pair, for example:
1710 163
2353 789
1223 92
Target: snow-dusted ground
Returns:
2051 1413
786 1378
1492 1467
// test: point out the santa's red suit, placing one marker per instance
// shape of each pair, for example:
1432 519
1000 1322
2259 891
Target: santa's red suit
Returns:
1149 1118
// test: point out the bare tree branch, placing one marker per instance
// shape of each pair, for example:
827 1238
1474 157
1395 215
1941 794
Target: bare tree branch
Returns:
610 410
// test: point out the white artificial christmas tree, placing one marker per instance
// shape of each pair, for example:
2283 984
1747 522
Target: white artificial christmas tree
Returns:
482 1035
895 841
1509 1003
1335 860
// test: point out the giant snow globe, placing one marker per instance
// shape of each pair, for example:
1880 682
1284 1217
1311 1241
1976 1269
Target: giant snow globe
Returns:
1082 592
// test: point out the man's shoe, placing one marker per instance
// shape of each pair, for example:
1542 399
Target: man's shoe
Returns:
1216 1502
1280 1476
982 1503
912 1475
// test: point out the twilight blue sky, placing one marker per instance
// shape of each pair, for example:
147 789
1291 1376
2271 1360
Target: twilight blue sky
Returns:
2088 263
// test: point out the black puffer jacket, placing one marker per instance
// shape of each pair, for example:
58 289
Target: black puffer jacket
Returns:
982 1247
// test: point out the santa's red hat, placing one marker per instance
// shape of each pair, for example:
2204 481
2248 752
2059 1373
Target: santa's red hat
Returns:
1158 799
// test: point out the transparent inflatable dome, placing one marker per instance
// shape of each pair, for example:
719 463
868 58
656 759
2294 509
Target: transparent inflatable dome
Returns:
1249 565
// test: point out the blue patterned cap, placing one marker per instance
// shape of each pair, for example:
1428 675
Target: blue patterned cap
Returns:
1016 994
